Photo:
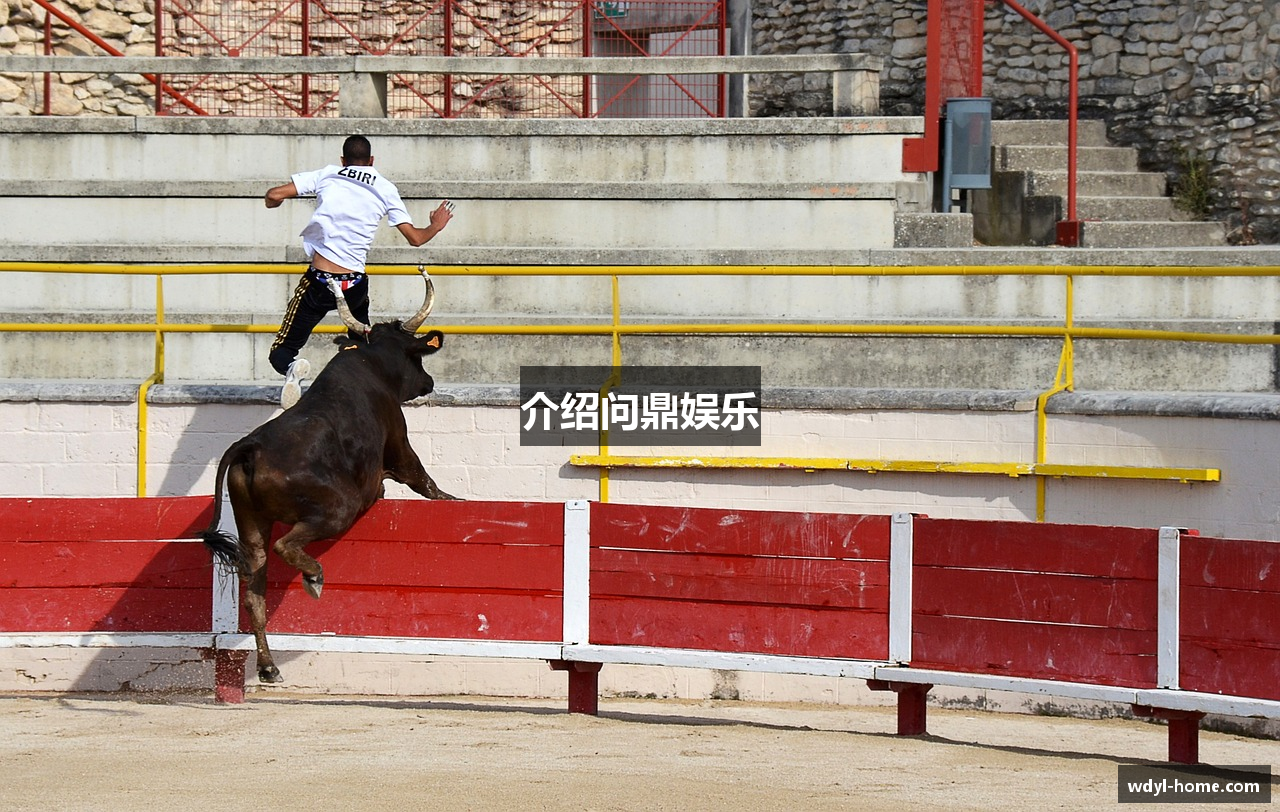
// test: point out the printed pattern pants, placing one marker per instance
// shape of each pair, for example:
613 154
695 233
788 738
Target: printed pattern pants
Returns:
311 302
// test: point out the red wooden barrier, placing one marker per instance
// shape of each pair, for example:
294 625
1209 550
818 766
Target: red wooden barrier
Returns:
813 585
56 575
1230 617
412 568
1067 602
995 604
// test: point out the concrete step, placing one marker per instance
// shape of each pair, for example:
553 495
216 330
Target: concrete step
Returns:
1097 184
1091 133
817 151
1144 209
1054 158
820 222
1158 234
475 190
829 361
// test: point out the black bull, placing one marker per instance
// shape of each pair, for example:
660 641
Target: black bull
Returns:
320 465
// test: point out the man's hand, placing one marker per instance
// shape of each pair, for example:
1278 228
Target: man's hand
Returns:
441 216
279 194
421 236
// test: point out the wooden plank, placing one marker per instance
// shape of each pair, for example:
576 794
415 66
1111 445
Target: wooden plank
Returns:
351 610
1231 564
463 522
731 661
1223 667
104 609
1118 552
738 579
1036 650
71 564
740 532
104 519
740 628
1049 598
1232 615
1230 639
395 564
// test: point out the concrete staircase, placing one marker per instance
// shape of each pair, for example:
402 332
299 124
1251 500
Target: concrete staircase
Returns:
1121 206
626 192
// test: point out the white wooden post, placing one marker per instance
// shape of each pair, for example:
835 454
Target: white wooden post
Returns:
901 544
226 584
1169 599
577 572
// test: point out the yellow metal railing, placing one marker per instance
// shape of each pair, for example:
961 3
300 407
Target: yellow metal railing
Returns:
1064 378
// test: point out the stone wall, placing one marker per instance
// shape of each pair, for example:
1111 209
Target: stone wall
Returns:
1172 78
127 25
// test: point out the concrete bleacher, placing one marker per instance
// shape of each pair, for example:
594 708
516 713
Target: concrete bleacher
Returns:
579 192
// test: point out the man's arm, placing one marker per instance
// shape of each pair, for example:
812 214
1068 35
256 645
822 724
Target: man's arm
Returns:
420 236
279 194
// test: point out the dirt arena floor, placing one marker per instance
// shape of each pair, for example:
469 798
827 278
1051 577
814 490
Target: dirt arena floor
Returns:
143 752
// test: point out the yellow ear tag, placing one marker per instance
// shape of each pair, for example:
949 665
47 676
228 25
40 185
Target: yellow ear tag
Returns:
434 341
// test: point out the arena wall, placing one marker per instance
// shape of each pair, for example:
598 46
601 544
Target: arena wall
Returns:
73 441
81 440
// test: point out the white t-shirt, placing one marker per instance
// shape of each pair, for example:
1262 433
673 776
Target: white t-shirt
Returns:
350 203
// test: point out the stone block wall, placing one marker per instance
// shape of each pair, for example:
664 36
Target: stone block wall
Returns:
1172 78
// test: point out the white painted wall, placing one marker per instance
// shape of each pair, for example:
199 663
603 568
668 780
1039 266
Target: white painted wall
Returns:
89 449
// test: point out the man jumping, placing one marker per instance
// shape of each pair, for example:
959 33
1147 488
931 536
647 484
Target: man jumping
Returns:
351 201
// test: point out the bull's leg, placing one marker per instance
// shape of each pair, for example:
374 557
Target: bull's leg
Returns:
255 597
409 471
289 547
428 488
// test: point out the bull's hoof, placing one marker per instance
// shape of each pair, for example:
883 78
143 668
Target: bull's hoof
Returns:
270 674
313 584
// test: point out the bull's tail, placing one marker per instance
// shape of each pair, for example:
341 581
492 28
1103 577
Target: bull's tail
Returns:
224 546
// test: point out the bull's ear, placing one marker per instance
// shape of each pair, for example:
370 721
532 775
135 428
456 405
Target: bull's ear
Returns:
431 342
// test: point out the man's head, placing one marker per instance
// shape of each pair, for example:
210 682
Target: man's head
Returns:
357 152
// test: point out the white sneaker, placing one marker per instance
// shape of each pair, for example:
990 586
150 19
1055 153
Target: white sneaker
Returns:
292 390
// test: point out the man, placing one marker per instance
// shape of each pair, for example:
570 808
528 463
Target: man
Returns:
351 201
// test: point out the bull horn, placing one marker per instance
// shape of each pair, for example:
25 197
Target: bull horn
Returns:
344 311
415 321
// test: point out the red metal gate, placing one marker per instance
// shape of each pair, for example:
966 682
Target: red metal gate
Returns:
552 28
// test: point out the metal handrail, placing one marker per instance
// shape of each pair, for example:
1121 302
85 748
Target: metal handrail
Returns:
1068 229
614 327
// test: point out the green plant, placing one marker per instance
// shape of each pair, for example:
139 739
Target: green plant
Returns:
1193 190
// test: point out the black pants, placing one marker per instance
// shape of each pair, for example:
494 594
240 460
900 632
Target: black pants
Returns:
311 302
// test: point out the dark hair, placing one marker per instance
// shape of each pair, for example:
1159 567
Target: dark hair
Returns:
356 150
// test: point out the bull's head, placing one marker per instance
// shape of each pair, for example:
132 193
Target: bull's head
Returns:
416 383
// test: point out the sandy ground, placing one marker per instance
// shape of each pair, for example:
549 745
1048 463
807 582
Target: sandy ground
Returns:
142 752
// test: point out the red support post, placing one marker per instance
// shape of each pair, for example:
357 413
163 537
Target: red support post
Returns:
921 154
584 685
228 675
1184 731
913 700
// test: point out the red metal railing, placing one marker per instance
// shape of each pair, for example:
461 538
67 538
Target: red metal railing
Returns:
449 28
